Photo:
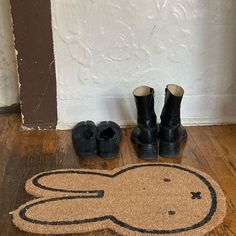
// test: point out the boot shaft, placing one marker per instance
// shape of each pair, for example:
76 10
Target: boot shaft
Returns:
170 116
144 99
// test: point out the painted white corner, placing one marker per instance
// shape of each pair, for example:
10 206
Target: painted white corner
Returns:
9 93
105 48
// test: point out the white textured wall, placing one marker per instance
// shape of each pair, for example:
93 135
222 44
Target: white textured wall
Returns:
105 48
8 75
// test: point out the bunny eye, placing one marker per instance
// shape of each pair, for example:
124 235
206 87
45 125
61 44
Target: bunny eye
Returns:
167 180
171 213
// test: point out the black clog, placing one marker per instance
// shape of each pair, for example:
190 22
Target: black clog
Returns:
108 139
84 139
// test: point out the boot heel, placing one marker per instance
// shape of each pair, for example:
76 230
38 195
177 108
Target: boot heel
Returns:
146 151
168 149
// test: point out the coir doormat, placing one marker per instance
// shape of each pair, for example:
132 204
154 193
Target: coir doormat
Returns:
142 199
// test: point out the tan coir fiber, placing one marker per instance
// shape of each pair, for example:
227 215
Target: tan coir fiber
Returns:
142 199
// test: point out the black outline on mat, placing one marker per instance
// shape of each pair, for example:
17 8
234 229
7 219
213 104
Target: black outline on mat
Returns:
209 216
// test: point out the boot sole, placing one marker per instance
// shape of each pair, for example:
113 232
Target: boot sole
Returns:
145 151
172 149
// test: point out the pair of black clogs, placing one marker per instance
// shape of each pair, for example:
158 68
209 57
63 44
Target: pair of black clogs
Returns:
91 140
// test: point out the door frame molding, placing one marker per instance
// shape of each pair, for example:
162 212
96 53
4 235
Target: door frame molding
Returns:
32 28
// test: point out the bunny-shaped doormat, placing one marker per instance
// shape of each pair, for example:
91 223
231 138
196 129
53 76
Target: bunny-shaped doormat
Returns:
140 199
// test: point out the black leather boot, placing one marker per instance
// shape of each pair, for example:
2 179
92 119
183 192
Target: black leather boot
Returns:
171 132
144 135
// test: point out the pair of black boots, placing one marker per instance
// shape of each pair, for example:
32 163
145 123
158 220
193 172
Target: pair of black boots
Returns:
91 140
148 141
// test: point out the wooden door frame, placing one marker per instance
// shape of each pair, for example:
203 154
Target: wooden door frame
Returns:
32 30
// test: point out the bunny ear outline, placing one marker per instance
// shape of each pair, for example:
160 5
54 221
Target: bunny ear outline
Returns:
75 181
69 202
67 182
57 215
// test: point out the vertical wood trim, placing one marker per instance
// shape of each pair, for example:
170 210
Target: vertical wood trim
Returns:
36 65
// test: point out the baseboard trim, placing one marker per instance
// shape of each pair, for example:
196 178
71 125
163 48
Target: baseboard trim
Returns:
15 108
194 121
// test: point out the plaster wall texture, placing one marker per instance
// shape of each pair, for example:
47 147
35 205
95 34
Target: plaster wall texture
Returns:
8 75
105 48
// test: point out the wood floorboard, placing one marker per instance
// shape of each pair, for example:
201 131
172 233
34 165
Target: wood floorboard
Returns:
211 149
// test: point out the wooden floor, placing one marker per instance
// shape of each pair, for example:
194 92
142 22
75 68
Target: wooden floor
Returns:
211 149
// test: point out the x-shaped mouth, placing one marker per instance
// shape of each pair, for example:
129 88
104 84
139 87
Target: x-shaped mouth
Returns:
196 195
